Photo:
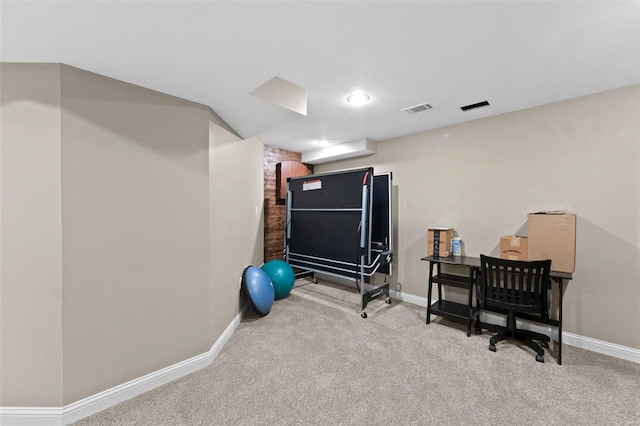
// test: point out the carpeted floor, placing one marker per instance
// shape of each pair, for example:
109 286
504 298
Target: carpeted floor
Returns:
314 361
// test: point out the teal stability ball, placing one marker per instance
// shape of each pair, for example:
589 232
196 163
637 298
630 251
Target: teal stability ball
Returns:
282 277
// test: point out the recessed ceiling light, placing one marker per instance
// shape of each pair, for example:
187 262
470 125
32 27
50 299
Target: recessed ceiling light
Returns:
358 98
324 142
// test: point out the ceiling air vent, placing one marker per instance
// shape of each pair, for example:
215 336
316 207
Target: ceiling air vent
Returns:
418 108
472 106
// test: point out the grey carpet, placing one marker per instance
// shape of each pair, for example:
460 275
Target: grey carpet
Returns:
314 361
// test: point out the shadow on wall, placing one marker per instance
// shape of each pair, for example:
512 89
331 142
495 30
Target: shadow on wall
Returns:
606 284
126 113
413 274
495 251
258 242
258 248
394 284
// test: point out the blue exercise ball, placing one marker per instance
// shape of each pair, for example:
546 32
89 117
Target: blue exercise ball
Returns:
281 275
258 288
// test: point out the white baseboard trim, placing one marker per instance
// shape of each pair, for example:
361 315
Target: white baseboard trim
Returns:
46 416
497 319
594 345
409 298
602 347
30 416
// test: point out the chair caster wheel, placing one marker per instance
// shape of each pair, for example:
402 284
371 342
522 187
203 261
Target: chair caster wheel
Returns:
545 344
363 315
539 358
492 348
478 331
388 301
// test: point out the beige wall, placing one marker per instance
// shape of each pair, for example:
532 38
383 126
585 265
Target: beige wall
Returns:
236 232
483 177
30 236
135 231
127 219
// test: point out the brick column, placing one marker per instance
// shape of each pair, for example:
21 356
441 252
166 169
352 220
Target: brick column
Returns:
274 210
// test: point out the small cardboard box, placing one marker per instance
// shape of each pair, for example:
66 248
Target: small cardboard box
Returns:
553 236
513 247
439 242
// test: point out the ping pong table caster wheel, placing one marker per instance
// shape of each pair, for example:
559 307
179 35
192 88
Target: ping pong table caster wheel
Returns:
388 300
539 358
363 315
545 344
492 348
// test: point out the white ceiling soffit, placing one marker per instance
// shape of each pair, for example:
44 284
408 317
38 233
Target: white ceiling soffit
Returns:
515 55
351 149
283 93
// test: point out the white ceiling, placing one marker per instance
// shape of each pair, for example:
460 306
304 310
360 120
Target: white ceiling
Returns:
514 54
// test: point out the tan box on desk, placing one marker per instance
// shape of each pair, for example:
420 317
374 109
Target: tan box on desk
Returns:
553 236
439 242
514 248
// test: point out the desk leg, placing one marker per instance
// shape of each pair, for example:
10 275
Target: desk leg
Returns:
478 327
470 303
429 292
560 323
438 268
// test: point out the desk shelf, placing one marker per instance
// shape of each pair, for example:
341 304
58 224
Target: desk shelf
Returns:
451 280
453 310
447 309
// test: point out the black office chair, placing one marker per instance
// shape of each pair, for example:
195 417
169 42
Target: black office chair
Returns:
516 286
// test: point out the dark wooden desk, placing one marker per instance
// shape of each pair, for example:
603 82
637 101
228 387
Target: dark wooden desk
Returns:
470 312
558 278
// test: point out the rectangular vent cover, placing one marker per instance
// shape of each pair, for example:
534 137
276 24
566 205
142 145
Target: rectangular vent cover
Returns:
419 108
473 106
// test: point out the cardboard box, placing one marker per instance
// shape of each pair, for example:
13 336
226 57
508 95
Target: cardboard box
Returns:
439 242
513 247
553 236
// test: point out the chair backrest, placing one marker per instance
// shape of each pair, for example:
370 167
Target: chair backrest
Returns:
514 284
